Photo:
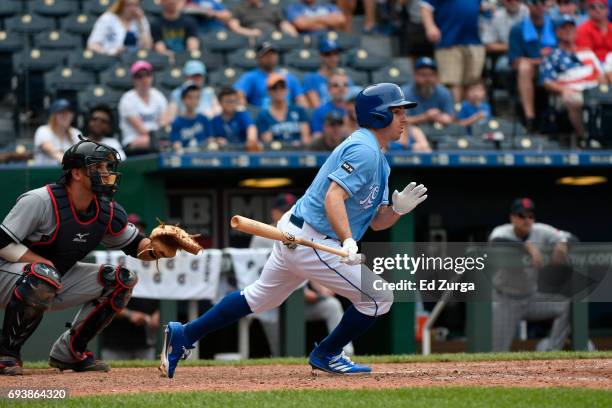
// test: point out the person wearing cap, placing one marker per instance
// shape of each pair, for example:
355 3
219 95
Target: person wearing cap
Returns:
452 27
190 130
515 294
54 138
435 102
282 121
252 84
595 34
100 128
334 132
142 110
261 16
174 32
233 126
338 88
123 27
565 73
308 16
315 83
194 72
570 7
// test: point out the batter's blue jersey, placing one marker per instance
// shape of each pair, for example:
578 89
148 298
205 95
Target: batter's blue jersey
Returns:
361 169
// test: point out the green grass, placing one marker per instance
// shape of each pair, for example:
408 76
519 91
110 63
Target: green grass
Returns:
408 358
404 397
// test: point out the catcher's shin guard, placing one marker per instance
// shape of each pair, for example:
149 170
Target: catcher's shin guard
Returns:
32 296
118 282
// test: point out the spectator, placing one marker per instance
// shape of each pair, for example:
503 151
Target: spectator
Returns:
334 132
315 83
190 129
570 8
131 334
350 120
231 125
496 31
208 106
338 89
515 294
142 110
595 34
435 103
413 139
261 16
530 40
474 109
369 12
312 17
54 138
411 32
566 73
211 14
100 128
452 26
281 121
123 27
252 84
174 32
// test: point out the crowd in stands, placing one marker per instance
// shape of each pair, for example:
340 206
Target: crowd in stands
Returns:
460 51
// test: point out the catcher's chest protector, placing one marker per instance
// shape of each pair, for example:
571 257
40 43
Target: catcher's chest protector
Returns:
72 239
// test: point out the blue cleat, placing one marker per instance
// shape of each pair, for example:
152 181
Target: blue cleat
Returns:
175 348
336 364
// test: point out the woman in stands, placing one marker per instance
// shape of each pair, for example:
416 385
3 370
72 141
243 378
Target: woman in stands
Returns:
54 138
123 27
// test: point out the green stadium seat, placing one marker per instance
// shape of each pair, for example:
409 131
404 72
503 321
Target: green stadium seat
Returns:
151 7
9 8
37 60
244 58
117 77
96 7
437 133
80 24
157 60
213 61
465 143
498 129
224 77
393 74
223 42
57 40
53 8
29 24
11 42
171 78
303 59
64 82
282 41
88 60
360 78
346 41
98 94
364 60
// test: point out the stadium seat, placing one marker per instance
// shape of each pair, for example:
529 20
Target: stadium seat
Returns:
96 7
9 8
171 78
117 77
57 40
360 78
159 61
223 41
53 8
37 60
11 42
437 133
65 82
465 143
282 41
80 24
346 41
537 143
224 77
88 60
244 58
497 129
29 24
363 60
213 61
303 59
393 74
98 94
151 7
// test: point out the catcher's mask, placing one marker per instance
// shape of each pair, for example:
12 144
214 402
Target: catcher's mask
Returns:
99 160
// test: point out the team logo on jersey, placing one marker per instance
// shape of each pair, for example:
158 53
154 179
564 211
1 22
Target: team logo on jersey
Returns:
80 237
347 167
369 200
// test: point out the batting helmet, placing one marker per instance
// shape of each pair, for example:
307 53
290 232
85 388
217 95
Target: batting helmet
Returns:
88 154
373 105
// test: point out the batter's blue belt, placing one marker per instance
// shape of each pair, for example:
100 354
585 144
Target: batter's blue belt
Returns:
299 222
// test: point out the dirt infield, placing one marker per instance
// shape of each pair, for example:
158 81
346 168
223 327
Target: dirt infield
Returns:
595 373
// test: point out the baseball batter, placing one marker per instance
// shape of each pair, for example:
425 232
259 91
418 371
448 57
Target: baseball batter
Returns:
42 240
348 195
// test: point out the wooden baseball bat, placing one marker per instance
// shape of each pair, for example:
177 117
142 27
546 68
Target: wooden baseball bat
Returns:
253 227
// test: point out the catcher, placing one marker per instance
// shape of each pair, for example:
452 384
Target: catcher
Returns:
42 241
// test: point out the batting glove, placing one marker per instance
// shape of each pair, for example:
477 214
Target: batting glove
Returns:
409 198
354 257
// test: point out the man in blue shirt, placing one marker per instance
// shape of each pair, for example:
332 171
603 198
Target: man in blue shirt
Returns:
452 26
312 17
348 195
338 89
435 103
252 84
190 129
315 83
232 126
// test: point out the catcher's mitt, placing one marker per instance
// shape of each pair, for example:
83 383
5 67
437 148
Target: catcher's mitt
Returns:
167 239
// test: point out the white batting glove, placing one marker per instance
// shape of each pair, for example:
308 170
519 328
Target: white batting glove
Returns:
354 257
409 198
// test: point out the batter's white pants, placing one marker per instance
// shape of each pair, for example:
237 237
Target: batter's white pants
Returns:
287 269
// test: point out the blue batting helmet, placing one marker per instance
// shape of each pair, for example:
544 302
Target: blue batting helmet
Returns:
373 105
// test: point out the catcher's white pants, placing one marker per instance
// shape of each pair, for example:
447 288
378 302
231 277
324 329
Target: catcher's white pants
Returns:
287 269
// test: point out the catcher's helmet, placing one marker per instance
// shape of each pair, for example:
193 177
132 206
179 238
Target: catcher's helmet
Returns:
373 105
89 155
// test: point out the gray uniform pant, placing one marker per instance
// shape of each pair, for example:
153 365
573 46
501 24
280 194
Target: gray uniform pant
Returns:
80 286
509 311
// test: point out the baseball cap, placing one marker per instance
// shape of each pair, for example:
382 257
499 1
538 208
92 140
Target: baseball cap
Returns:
194 67
522 206
564 19
326 45
266 47
275 78
135 219
188 86
141 65
425 62
334 118
284 201
59 105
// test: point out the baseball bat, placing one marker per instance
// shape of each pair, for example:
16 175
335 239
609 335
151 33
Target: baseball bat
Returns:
253 227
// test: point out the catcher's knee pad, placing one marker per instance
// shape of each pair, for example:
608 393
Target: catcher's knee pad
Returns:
118 282
32 296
